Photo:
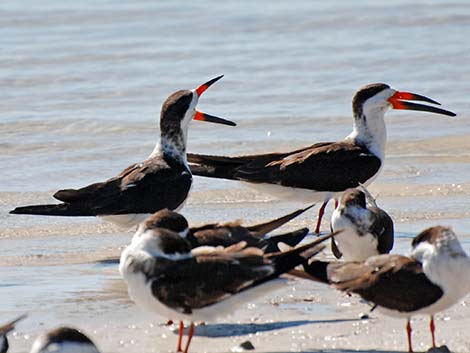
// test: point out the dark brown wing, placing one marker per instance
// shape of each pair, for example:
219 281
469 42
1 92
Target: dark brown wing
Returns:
391 281
207 279
330 166
204 280
382 227
334 249
141 188
223 235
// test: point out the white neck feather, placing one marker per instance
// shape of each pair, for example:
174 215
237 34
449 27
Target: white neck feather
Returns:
369 130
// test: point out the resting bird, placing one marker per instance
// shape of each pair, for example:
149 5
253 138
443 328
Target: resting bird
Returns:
226 234
63 340
165 276
434 277
324 170
161 181
367 229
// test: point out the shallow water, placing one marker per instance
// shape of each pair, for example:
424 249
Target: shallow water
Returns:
82 85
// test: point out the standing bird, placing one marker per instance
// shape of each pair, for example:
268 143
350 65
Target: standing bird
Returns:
367 229
4 330
324 170
165 276
63 340
163 180
433 278
227 234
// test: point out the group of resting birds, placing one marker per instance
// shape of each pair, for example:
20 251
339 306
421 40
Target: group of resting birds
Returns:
202 273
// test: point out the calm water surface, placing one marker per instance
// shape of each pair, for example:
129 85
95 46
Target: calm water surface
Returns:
82 85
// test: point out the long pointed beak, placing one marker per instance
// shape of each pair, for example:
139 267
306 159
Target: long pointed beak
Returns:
400 101
11 325
200 90
212 119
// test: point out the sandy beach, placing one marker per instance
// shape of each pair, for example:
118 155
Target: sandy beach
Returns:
82 86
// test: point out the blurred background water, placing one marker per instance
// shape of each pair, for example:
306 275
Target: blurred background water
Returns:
82 84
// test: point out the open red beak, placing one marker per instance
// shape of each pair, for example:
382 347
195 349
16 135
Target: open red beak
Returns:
400 101
200 90
212 119
206 117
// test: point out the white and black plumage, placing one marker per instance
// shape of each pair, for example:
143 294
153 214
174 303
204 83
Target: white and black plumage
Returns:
434 277
165 276
4 330
367 229
63 340
227 234
163 180
324 170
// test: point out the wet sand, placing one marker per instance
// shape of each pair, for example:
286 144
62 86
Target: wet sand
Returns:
55 271
82 88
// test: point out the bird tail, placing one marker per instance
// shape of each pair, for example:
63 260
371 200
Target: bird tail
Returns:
264 228
291 239
316 270
214 166
61 209
288 260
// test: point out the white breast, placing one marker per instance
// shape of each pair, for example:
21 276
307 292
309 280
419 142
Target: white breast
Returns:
353 246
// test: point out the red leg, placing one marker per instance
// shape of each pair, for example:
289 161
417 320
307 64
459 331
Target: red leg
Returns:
180 337
408 332
433 328
320 216
190 336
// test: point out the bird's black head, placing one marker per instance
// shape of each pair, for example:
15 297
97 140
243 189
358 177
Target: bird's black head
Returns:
353 197
66 339
4 344
180 108
169 220
365 93
432 235
376 98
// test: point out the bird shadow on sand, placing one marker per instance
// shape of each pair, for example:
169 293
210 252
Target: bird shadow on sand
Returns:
230 330
339 350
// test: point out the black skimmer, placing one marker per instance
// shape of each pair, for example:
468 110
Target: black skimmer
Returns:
367 229
321 171
165 276
163 180
226 234
4 330
434 277
63 340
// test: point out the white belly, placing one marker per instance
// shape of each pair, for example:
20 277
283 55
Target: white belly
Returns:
140 292
130 220
353 246
292 194
126 221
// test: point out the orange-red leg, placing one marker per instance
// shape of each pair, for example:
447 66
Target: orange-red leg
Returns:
408 333
190 336
180 337
432 328
321 211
